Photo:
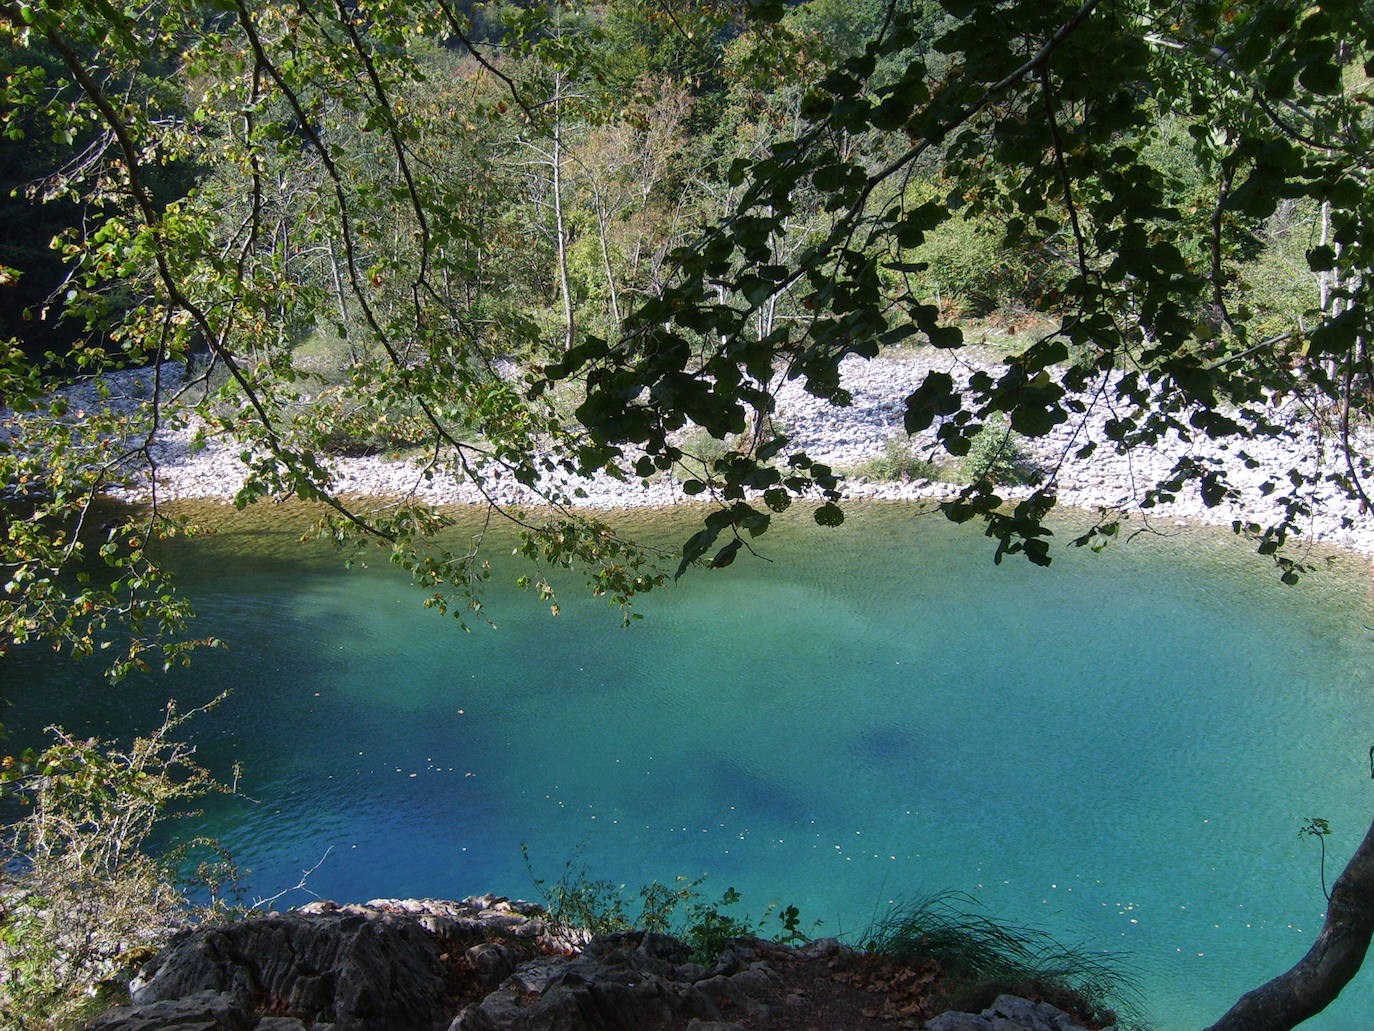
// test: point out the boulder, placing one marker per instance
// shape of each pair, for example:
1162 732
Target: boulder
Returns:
407 965
1009 1013
624 982
385 966
199 1011
368 974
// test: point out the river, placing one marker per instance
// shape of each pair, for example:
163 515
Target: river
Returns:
1119 749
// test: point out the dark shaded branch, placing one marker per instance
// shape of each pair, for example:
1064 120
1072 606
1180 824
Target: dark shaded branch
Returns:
456 27
1065 181
1218 278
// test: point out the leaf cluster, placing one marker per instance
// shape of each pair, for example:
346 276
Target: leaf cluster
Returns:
490 219
86 901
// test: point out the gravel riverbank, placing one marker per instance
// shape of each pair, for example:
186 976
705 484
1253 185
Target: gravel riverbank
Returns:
845 438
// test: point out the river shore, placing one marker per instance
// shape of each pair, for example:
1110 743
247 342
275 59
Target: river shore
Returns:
846 438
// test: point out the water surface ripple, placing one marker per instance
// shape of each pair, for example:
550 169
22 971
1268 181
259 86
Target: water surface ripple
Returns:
1119 749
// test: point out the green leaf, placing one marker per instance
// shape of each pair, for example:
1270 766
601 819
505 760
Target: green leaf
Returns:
829 514
1322 258
695 547
777 499
726 555
1323 77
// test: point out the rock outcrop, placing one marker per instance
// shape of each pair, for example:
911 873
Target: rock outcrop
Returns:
1007 1013
490 964
386 966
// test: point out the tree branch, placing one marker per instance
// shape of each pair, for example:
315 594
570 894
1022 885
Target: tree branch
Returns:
1311 985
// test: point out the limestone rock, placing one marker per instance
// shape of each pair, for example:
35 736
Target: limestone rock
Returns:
200 1011
384 966
1008 1013
360 973
409 965
623 982
493 962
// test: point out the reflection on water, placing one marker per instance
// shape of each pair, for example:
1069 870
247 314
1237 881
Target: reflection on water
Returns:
1120 748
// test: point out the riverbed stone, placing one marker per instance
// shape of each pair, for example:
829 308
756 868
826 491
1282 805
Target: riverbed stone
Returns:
846 439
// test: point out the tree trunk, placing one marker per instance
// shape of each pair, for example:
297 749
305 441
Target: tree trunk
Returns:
339 296
1335 956
560 231
606 256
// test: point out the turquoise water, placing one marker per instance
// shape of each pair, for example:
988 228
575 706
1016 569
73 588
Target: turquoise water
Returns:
1119 749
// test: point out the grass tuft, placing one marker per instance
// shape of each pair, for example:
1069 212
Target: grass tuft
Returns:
899 462
982 958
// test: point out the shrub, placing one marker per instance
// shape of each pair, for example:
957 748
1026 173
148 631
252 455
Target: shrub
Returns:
329 357
997 455
576 905
971 271
1279 288
700 453
83 903
899 461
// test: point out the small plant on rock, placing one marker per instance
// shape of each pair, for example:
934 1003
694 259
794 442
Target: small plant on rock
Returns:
577 905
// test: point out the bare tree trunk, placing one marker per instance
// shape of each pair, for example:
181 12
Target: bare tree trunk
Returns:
1329 281
1324 277
606 255
339 296
560 231
1333 960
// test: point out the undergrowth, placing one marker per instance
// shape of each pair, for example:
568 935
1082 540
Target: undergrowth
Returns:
978 958
82 903
998 456
577 905
900 462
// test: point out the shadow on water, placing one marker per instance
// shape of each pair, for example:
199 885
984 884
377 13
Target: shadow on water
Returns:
742 790
886 746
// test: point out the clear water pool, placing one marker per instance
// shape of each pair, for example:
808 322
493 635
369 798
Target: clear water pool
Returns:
1119 749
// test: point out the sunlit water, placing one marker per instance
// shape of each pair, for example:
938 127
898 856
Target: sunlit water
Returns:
1120 749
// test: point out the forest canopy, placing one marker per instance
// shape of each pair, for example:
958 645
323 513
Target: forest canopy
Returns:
531 242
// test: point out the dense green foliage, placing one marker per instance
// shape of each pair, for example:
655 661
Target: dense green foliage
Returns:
526 240
522 241
1031 130
85 902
